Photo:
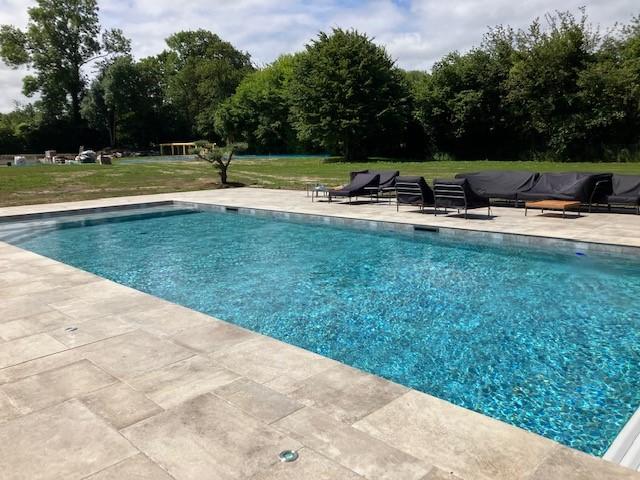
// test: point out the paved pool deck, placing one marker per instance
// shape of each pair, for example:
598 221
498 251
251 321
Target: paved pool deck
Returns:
99 381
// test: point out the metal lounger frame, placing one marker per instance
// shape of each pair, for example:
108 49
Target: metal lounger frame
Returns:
408 188
454 192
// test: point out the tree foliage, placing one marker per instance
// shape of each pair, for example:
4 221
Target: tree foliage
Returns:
346 92
258 112
126 101
559 89
62 36
203 71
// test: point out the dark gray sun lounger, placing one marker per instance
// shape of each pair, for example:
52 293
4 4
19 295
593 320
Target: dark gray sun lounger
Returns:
457 194
625 191
359 186
413 191
500 185
387 177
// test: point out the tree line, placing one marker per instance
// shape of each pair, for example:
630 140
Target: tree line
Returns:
560 89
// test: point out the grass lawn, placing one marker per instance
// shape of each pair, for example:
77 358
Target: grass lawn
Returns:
59 183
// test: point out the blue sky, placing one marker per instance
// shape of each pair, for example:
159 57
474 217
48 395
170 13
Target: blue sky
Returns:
415 32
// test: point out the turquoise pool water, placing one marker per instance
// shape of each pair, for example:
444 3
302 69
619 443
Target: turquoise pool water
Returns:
549 342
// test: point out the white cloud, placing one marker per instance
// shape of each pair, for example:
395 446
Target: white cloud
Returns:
416 32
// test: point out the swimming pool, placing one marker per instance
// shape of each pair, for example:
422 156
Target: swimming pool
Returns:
546 341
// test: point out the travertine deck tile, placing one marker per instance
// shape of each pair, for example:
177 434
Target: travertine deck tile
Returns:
125 302
254 359
65 441
309 466
350 447
346 393
28 348
76 334
32 367
7 408
133 468
39 323
208 438
165 318
257 400
567 464
120 405
23 306
439 474
473 446
183 380
102 290
213 336
55 386
135 353
26 288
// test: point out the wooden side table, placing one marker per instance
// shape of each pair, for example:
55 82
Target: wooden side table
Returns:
543 205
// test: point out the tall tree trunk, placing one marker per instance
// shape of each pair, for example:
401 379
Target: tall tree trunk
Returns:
75 108
347 148
75 90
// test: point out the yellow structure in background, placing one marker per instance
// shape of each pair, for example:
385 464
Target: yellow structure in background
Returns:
177 148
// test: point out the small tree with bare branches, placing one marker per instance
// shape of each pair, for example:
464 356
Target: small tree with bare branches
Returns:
219 157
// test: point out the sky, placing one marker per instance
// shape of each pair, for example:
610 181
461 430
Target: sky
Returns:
415 32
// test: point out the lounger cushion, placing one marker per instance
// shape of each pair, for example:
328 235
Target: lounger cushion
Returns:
563 186
499 184
357 186
387 177
626 190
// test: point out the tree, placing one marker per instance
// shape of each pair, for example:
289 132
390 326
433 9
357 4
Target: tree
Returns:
609 89
61 38
219 157
346 92
127 102
259 111
203 71
460 104
544 93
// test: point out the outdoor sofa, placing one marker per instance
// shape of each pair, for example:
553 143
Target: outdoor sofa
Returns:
361 184
586 188
413 191
500 185
458 194
625 191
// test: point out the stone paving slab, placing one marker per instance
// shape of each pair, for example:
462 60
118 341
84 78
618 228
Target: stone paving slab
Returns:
55 386
28 348
135 353
175 383
133 468
469 444
351 448
38 323
208 438
570 464
64 441
120 405
346 393
257 400
149 389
